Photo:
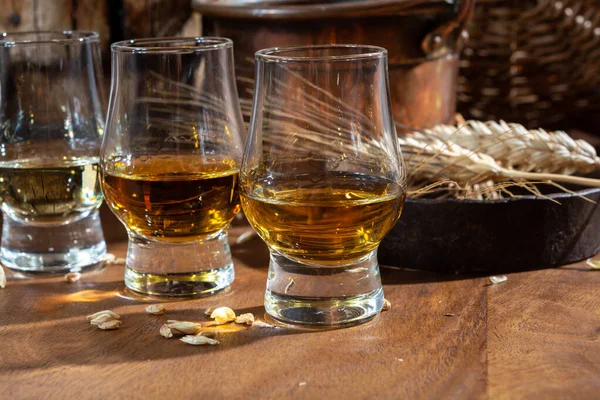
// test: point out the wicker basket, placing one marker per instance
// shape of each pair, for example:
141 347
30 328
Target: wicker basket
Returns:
536 62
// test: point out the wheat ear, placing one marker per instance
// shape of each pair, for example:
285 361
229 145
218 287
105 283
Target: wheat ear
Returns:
428 157
515 147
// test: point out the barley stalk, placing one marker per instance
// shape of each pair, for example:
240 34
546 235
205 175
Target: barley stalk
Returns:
476 160
515 147
430 158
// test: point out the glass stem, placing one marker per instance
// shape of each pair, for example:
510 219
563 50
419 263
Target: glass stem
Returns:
58 249
178 269
301 294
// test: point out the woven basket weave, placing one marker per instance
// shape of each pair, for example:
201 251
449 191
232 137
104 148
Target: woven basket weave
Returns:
536 62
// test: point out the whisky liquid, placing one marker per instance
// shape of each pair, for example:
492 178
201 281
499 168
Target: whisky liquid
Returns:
172 199
49 194
331 225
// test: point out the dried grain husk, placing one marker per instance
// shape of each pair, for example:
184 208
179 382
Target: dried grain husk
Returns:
386 305
199 340
166 331
594 264
72 277
113 314
102 319
2 278
498 279
156 309
183 327
223 315
245 319
110 325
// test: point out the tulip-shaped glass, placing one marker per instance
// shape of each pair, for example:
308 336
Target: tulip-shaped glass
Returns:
322 179
170 161
51 125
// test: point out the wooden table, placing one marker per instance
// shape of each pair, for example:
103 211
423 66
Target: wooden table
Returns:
535 336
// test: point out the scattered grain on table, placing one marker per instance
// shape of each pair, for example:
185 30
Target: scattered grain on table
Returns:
72 277
386 305
105 320
199 340
498 279
245 319
99 313
223 315
110 325
183 327
156 309
594 264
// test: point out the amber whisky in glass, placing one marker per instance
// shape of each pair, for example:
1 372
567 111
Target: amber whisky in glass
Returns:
322 180
170 162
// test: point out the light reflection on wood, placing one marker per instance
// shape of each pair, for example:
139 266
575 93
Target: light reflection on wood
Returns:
86 296
211 326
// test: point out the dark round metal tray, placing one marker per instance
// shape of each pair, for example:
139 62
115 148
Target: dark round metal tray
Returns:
513 234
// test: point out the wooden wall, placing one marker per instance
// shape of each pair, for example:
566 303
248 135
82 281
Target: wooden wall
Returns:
113 19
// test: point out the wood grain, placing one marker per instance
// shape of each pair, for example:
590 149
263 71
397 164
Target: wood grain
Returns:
35 15
92 15
140 18
545 329
156 18
17 16
535 336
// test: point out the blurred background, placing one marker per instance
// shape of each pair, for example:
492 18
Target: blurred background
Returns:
113 19
535 62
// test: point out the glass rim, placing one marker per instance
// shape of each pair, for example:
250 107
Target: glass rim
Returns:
172 44
78 37
370 52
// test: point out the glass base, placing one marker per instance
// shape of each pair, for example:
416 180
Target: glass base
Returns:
178 270
76 246
320 296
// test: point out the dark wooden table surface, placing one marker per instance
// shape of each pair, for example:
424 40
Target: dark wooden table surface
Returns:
536 336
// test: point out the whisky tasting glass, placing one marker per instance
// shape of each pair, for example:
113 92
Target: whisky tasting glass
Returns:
322 180
51 122
170 161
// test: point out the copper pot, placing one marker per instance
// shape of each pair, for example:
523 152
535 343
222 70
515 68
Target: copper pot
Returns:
423 38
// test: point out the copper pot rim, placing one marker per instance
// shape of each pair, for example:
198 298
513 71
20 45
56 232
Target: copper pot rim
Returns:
308 9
